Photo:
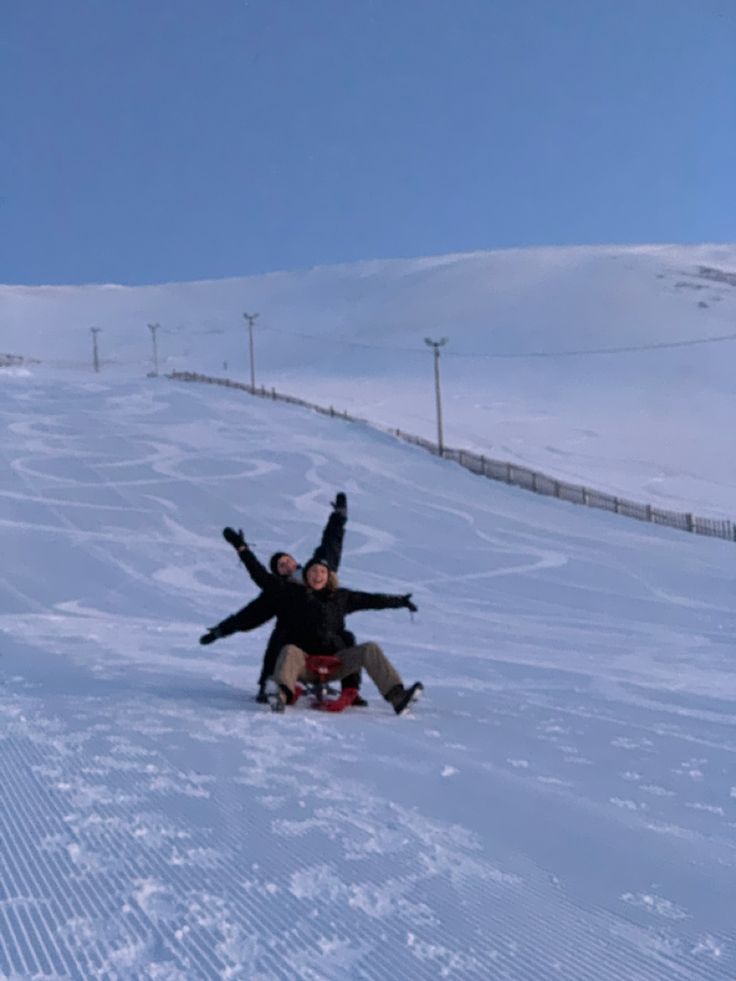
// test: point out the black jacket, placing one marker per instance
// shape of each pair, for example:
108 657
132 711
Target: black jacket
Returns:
262 608
314 621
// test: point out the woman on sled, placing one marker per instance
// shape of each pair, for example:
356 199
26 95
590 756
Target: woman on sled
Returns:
261 609
313 620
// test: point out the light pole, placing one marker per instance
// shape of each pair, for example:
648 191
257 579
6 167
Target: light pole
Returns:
251 318
436 345
95 358
153 328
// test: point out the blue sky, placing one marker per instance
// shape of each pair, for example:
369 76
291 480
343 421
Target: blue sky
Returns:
147 141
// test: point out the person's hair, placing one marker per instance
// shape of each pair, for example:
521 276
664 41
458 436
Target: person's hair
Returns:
274 562
332 581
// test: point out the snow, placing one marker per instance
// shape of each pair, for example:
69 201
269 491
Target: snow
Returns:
651 421
560 802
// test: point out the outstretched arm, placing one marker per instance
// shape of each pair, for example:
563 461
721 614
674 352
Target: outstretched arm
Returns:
377 601
329 549
255 614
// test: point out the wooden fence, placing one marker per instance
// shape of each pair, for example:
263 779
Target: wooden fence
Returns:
509 473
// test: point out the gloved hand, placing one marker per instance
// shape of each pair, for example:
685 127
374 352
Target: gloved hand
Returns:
212 634
408 603
340 504
235 538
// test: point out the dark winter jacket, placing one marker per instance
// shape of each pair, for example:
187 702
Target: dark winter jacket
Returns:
260 611
263 608
314 620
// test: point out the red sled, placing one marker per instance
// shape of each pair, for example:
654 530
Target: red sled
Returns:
326 666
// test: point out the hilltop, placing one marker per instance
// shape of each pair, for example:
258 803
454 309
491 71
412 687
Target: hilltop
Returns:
602 365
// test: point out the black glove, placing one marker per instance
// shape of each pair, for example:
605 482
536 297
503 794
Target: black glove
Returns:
212 634
408 603
340 504
235 538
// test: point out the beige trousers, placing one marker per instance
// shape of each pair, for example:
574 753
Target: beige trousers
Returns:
291 666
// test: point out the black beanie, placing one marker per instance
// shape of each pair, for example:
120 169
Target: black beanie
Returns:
274 562
312 562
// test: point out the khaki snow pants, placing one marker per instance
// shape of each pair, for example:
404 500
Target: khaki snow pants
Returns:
292 666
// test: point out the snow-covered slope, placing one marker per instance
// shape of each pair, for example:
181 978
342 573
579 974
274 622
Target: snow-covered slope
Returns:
562 802
654 425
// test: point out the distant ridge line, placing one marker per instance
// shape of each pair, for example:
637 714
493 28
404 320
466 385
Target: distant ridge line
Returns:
508 473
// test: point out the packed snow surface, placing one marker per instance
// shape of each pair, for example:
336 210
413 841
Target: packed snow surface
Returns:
560 803
607 366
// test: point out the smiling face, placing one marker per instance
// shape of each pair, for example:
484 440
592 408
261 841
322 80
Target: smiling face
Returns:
286 565
317 576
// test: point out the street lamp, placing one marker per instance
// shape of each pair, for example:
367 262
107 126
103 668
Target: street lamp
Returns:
153 328
436 345
95 357
251 318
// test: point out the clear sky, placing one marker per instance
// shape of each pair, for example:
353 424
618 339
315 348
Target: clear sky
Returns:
151 140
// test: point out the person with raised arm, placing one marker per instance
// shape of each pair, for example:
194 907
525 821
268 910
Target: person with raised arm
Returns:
312 621
261 609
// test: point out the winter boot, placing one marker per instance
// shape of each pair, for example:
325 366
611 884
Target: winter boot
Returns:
280 698
401 698
353 681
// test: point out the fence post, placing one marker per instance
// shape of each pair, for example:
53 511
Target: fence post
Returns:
720 529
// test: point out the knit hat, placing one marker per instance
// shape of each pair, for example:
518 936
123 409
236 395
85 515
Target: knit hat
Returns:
312 562
274 562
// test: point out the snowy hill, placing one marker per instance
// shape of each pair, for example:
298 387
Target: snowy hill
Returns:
649 420
561 803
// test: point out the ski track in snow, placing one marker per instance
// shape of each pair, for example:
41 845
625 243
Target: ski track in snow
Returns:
560 803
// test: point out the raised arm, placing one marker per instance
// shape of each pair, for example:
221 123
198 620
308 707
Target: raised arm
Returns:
329 549
258 572
377 601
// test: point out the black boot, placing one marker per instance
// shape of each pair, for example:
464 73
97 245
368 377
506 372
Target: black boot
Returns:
401 698
262 697
281 698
